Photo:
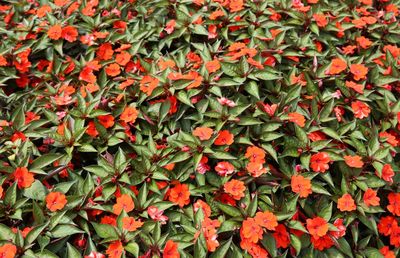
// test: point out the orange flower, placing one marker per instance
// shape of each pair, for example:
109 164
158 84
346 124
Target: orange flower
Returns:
180 195
319 162
69 33
55 201
357 87
123 58
370 198
54 32
338 65
394 203
266 219
363 42
359 71
164 64
91 129
8 251
148 84
41 12
301 185
224 138
256 169
320 19
106 120
235 188
113 69
390 138
354 161
23 177
171 250
387 173
213 66
105 51
235 5
61 2
317 227
255 154
251 231
297 119
124 202
346 203
130 224
360 109
115 250
129 114
3 61
204 133
385 251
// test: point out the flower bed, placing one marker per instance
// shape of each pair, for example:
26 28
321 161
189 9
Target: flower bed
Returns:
199 128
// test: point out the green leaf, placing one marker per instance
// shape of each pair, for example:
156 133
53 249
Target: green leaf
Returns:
222 249
105 230
65 230
44 160
133 248
37 191
230 210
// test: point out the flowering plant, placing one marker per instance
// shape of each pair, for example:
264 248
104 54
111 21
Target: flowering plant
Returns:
199 128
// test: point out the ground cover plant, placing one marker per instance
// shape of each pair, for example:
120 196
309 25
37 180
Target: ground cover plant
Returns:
199 128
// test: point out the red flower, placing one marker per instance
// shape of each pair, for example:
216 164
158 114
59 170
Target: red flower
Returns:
224 168
319 162
341 229
235 188
129 114
281 236
171 250
370 198
55 201
354 161
124 202
106 120
394 203
115 250
224 138
55 32
130 224
148 84
251 231
105 51
23 177
386 225
317 227
322 243
320 19
360 109
113 69
385 251
180 195
387 173
69 33
297 119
